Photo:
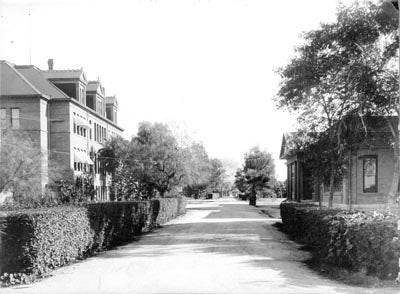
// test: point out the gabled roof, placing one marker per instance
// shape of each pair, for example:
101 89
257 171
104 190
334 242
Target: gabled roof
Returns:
35 77
95 86
65 74
112 100
13 83
288 146
376 129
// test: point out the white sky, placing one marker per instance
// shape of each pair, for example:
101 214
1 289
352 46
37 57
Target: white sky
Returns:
206 64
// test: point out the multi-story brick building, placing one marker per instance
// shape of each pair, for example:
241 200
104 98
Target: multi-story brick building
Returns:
68 117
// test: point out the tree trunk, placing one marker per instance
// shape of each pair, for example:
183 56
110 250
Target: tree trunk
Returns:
392 195
331 186
317 190
253 198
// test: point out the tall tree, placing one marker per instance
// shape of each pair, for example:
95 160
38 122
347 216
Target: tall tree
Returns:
113 158
343 67
156 158
257 172
25 169
240 181
217 176
197 169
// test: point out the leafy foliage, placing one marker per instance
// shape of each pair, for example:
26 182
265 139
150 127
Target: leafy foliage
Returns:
343 68
257 174
155 163
354 240
159 159
217 175
22 171
279 189
76 192
35 242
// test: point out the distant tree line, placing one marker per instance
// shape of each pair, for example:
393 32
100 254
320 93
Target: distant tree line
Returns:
155 163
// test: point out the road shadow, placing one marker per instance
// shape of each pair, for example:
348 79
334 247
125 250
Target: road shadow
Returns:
240 232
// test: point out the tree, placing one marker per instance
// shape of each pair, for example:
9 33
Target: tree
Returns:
155 162
197 169
113 151
113 158
24 170
240 181
156 159
257 173
344 67
280 189
217 176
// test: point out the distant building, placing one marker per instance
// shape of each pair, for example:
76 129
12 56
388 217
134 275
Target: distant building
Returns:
68 117
369 171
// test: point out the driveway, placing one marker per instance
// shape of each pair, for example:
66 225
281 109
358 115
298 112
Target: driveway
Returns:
219 246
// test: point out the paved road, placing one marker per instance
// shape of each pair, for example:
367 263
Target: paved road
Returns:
217 247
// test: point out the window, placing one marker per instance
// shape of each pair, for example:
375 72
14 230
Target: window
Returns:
370 174
3 117
15 118
90 130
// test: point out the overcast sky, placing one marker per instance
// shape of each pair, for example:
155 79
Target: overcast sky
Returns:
208 65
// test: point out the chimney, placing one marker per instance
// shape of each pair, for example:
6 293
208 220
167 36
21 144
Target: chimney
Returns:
50 62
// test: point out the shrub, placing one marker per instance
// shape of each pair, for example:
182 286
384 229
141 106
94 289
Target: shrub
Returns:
365 242
354 240
182 202
113 223
35 241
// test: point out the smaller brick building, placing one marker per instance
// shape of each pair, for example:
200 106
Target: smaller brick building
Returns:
68 117
366 183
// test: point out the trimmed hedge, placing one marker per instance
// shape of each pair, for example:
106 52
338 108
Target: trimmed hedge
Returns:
34 242
354 240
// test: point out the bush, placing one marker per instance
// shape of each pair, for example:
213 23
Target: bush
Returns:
182 202
364 242
113 223
35 241
354 240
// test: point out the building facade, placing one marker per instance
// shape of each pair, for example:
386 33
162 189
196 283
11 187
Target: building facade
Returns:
68 117
366 182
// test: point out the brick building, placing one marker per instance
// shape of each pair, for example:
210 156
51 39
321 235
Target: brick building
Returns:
369 171
68 117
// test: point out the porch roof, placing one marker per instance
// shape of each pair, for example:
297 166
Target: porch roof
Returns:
290 145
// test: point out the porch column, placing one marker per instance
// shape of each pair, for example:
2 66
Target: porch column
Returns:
301 184
288 183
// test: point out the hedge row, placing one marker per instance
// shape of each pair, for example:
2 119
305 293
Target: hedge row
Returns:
33 242
354 240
